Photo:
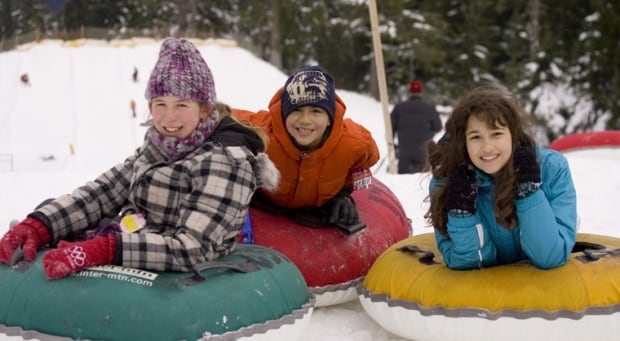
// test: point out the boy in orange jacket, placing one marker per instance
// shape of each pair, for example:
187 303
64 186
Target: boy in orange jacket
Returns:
322 157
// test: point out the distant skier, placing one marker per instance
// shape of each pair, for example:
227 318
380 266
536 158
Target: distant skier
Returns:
132 104
134 76
25 79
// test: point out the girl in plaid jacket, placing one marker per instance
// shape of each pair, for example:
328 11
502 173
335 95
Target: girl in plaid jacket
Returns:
179 200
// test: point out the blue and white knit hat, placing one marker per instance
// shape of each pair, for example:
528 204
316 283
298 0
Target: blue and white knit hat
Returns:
309 85
181 71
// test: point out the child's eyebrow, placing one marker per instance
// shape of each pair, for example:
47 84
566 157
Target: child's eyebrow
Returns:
472 132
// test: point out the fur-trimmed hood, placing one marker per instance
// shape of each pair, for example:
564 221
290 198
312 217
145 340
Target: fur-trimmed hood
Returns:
268 174
231 133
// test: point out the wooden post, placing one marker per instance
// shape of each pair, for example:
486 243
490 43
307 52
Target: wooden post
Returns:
376 43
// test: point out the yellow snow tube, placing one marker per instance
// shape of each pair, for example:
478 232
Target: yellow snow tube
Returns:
410 292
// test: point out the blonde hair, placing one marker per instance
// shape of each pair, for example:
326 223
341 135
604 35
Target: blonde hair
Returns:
226 111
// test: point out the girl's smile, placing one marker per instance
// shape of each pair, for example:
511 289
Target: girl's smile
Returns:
489 148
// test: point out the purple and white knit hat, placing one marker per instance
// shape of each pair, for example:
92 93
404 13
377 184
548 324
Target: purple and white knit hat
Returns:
181 71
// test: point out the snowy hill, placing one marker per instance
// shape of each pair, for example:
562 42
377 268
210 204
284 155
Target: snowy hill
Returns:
83 86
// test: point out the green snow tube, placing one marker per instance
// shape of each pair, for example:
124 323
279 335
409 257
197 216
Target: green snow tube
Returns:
253 293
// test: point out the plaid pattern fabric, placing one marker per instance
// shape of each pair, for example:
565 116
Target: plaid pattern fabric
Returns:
194 207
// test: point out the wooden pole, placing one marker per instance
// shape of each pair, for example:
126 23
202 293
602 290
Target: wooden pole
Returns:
376 43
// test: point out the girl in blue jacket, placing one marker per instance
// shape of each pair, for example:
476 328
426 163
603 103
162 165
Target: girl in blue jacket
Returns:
496 197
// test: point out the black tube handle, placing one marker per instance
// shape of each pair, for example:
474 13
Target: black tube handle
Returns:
198 268
426 256
592 255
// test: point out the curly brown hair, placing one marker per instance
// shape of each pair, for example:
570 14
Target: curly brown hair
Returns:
497 108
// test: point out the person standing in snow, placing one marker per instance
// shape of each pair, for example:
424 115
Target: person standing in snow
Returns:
414 122
180 200
25 79
323 157
132 105
495 196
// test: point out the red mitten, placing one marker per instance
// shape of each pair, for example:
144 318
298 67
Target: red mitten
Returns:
68 257
31 234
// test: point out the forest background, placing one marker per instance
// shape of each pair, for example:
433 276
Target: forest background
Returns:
527 46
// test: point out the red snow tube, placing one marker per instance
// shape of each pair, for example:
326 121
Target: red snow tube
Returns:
332 263
593 139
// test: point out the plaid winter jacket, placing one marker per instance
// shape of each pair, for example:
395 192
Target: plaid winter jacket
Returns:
194 208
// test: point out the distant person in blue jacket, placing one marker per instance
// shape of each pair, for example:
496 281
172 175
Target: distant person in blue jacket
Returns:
495 196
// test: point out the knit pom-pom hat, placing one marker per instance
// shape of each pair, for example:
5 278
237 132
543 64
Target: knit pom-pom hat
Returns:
415 86
309 85
181 71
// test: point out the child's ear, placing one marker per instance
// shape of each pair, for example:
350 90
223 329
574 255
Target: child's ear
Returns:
206 110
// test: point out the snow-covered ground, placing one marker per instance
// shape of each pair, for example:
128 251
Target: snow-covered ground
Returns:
74 121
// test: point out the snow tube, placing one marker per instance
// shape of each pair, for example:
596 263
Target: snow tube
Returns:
411 293
333 263
587 140
254 293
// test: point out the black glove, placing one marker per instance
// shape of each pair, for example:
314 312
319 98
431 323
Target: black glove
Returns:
260 201
341 208
527 170
462 191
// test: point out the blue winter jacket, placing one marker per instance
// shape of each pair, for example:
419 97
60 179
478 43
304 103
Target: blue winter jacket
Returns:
545 234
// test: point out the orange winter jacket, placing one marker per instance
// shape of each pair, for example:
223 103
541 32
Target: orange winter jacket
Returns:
310 178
